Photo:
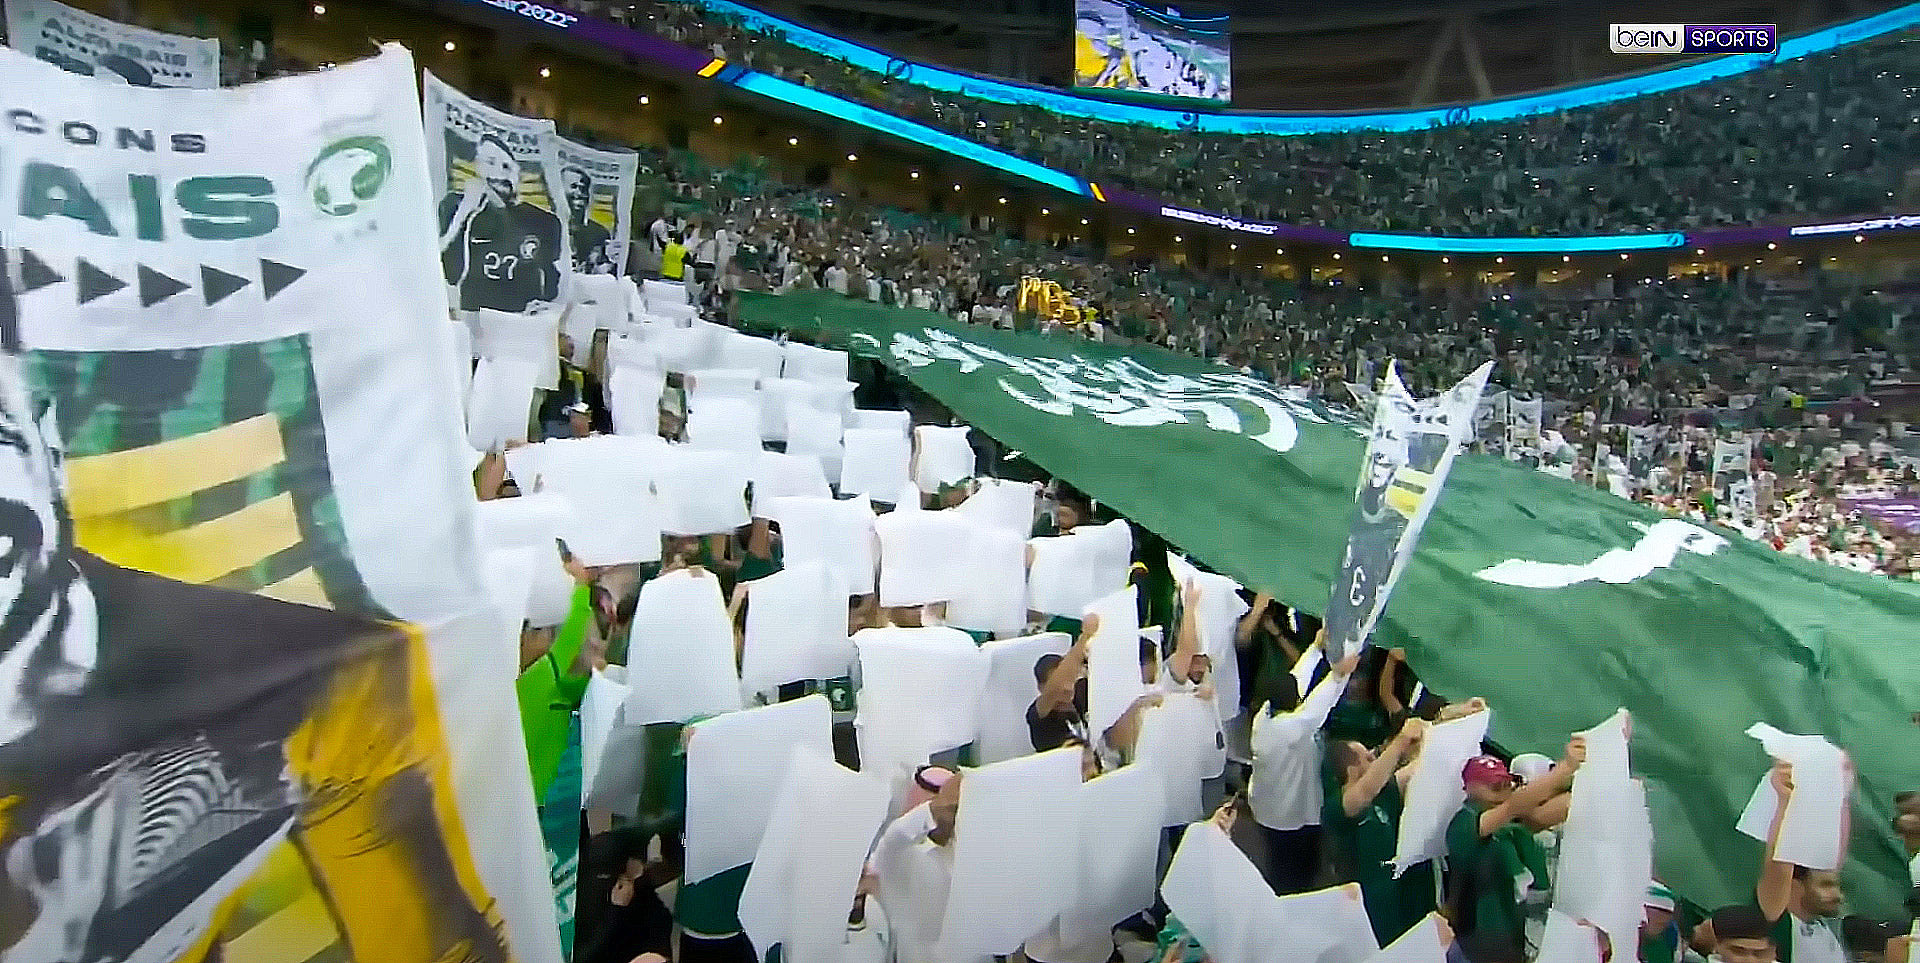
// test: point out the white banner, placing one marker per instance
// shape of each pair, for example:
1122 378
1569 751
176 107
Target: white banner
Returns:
597 186
1523 430
241 337
1411 448
79 42
502 243
1731 462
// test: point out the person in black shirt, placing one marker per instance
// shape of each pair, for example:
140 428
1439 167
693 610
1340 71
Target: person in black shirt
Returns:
500 251
1060 712
592 252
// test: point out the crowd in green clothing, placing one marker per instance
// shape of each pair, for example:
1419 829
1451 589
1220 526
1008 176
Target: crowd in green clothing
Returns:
1701 156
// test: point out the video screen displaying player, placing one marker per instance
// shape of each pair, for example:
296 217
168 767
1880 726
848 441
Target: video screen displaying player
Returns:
1125 45
496 248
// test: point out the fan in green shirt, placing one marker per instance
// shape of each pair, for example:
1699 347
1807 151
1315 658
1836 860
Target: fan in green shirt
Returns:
1362 818
1489 847
550 690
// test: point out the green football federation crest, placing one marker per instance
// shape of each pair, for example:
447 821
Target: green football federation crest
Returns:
348 173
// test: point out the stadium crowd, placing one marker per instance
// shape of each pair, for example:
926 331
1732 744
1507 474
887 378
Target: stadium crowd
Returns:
1788 359
1701 156
1302 813
1308 770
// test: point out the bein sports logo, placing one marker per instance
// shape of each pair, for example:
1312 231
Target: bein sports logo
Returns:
1693 38
347 174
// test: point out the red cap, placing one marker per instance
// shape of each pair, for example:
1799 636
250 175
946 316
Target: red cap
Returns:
1486 771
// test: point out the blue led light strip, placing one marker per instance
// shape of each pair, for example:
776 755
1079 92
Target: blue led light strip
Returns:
808 98
1252 122
1518 245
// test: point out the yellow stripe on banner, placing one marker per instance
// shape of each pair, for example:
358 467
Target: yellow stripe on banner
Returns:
301 588
298 932
1098 194
115 482
713 67
201 553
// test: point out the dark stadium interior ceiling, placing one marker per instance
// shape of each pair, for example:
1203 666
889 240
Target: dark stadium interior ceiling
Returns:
1325 54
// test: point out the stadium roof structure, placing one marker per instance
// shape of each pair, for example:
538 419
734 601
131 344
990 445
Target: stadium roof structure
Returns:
1313 55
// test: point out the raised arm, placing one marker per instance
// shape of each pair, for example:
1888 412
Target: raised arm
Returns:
1124 734
1775 888
1388 686
1360 793
1187 643
734 606
1549 814
1314 709
1528 798
491 474
1250 622
1057 691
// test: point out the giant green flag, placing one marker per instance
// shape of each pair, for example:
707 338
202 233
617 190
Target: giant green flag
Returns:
1558 603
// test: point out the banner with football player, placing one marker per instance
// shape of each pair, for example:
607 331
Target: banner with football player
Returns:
597 186
243 713
1523 430
503 241
1490 422
1642 452
1732 463
80 42
1409 452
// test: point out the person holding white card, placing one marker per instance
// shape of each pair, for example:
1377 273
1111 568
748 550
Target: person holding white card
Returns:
1364 796
1800 903
1284 793
1489 849
913 867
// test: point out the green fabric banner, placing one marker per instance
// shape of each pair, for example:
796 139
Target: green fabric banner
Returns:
1557 602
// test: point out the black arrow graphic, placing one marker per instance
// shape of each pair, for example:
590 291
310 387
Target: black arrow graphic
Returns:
216 284
34 273
156 287
95 283
275 277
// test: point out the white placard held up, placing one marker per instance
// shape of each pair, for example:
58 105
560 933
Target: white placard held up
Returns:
1220 897
682 636
500 402
732 766
1436 791
1813 831
779 474
703 492
919 694
923 556
634 395
941 456
1606 844
804 875
796 628
835 532
1117 846
1113 660
874 463
1011 689
1014 852
1002 504
992 596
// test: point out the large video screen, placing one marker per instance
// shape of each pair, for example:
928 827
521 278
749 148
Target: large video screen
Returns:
1152 49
